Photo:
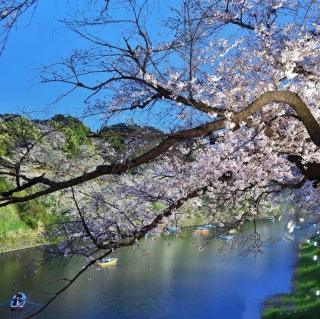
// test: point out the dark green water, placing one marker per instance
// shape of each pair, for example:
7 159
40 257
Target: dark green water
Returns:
164 278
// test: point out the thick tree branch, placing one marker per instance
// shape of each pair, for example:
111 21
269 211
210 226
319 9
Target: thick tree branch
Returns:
286 97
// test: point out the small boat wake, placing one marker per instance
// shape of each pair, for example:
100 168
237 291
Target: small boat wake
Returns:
16 315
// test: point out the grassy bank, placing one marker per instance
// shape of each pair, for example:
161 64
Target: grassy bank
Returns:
14 232
303 303
20 224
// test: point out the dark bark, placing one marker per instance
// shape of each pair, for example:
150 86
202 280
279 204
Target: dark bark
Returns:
290 98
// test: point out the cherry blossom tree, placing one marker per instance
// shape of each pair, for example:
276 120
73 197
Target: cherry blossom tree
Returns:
236 84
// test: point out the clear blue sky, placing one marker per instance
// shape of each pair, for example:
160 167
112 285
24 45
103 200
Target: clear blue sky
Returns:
38 41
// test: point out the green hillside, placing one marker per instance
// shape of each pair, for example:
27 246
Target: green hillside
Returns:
61 138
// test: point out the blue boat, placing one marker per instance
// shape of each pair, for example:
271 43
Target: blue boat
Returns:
209 226
227 237
18 301
171 229
202 228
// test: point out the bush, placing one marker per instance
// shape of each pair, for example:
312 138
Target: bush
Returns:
75 132
16 131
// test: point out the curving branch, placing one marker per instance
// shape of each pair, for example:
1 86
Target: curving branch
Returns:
286 97
290 98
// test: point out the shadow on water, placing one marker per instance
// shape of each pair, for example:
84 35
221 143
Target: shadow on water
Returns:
6 312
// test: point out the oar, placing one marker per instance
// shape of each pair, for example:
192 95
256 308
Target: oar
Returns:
7 304
34 303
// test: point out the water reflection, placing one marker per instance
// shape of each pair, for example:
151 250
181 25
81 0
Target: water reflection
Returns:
164 278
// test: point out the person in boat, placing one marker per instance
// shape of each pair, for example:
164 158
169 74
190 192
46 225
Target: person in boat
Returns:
18 298
16 301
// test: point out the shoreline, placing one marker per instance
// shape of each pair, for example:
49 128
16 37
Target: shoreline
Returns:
304 299
20 248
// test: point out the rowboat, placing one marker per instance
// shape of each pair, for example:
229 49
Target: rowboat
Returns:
209 226
18 303
107 262
201 231
171 230
227 237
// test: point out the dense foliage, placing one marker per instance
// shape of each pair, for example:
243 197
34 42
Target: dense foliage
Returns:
75 133
64 136
16 131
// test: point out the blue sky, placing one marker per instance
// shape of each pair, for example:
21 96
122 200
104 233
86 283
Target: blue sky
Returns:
40 40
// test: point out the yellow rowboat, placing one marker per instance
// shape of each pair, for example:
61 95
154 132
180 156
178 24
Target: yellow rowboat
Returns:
107 262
